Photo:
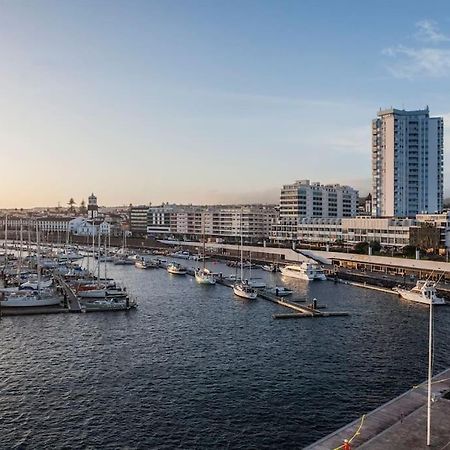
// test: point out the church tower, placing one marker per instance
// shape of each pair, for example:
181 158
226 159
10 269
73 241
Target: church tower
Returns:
92 207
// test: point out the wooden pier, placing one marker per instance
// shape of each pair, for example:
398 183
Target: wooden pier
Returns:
399 424
73 304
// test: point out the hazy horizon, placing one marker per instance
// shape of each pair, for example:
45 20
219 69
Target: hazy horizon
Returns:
197 102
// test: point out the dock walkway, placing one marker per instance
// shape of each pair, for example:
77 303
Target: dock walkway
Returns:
300 311
72 300
399 424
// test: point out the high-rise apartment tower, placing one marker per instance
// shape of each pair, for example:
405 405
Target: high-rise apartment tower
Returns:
407 163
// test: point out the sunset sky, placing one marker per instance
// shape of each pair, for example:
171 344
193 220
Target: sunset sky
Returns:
206 101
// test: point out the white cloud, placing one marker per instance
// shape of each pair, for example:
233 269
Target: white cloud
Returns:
428 31
414 61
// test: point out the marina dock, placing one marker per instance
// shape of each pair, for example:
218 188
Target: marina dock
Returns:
400 423
300 310
71 299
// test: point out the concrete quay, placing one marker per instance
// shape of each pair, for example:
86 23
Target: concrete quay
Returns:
401 423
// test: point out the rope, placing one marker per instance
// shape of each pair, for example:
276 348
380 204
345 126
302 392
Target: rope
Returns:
433 382
354 435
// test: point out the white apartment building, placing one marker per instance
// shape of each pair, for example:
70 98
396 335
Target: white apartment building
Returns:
407 163
219 222
304 199
387 231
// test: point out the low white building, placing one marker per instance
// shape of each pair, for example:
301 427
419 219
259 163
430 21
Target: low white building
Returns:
81 226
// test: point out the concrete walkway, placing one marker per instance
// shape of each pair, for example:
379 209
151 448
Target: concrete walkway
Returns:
399 424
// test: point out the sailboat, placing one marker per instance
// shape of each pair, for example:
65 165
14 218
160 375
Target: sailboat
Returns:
203 275
39 297
242 288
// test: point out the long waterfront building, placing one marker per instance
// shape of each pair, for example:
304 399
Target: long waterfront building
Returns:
216 222
304 199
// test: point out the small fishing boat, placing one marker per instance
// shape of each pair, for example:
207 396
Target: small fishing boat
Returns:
176 269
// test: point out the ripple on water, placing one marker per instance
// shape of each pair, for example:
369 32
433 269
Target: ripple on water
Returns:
195 367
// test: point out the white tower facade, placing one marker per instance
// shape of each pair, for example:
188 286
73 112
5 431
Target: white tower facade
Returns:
407 163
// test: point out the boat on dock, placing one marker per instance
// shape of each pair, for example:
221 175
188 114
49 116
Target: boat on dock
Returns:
176 269
423 292
144 264
243 290
307 271
30 299
204 276
269 268
280 291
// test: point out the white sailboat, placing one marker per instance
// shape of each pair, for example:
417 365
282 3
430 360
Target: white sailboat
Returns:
242 289
203 275
38 297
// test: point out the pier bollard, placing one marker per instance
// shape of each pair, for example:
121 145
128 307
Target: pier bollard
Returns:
314 303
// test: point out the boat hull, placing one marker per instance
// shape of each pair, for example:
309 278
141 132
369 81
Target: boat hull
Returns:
417 298
247 294
296 274
25 301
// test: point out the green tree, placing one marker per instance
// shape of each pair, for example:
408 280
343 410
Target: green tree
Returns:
376 246
82 209
71 204
362 247
409 251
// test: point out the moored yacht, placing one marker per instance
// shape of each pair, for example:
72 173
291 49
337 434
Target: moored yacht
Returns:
204 276
423 292
244 290
304 271
29 298
176 269
144 264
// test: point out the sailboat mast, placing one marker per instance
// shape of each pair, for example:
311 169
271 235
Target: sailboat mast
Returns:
99 258
19 267
106 252
93 248
430 372
38 257
242 253
6 240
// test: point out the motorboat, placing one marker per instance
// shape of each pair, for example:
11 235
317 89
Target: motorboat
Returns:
123 261
181 254
280 291
144 264
269 267
176 269
257 283
423 292
244 290
319 273
204 276
304 271
102 292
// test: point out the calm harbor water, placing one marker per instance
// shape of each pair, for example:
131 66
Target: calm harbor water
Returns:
195 367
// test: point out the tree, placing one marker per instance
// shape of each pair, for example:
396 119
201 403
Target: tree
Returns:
376 246
82 209
71 204
409 251
362 247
